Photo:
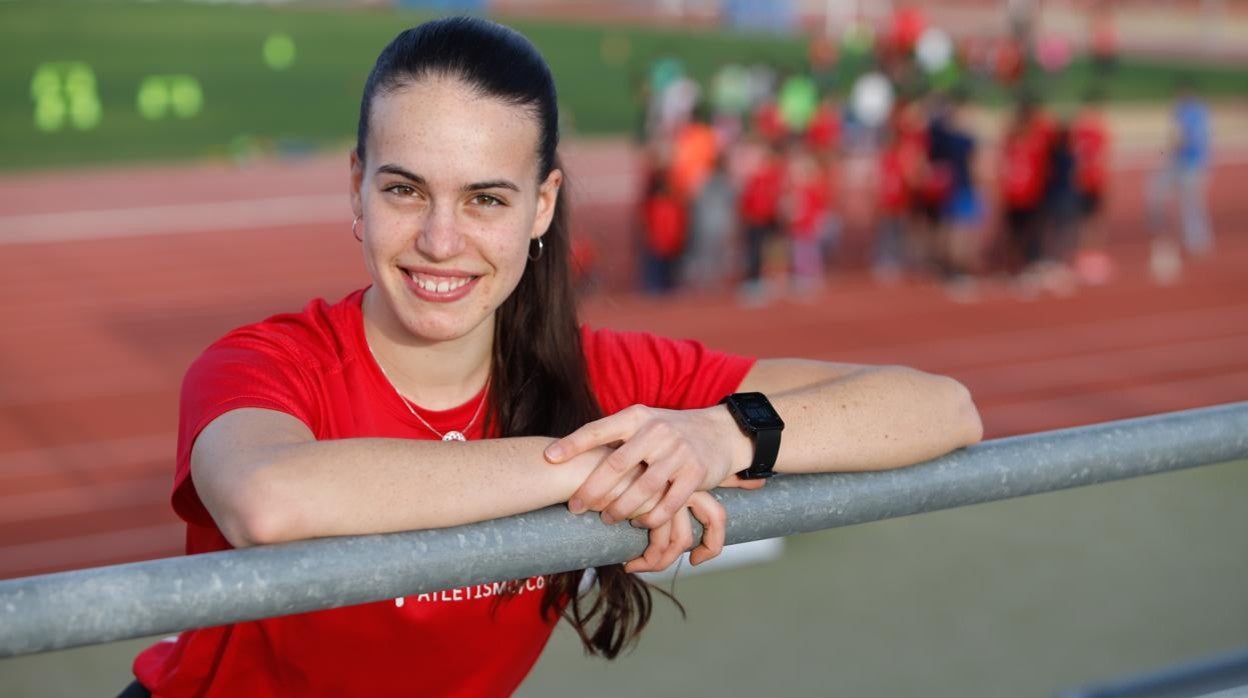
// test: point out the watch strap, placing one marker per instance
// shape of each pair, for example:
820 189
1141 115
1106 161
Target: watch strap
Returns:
766 438
766 448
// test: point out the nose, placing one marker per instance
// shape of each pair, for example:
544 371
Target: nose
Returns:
439 238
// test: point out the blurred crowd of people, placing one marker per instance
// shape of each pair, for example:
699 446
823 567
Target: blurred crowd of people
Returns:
746 176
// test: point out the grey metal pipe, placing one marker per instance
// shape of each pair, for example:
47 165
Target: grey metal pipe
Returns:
81 607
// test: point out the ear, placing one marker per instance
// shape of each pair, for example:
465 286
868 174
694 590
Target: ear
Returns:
547 197
357 183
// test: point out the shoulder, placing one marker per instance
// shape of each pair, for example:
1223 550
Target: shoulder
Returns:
627 368
318 337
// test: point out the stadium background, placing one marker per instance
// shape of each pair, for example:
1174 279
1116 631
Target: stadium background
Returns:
129 244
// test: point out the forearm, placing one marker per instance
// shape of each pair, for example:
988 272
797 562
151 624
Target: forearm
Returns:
374 485
870 419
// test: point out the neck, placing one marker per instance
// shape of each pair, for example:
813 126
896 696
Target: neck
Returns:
434 375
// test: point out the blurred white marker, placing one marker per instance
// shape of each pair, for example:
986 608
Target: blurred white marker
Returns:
934 50
871 99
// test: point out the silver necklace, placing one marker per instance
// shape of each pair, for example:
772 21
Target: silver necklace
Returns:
454 434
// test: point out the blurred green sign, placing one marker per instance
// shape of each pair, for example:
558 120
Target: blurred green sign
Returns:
161 96
279 51
65 94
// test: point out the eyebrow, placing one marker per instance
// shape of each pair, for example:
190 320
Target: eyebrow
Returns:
475 186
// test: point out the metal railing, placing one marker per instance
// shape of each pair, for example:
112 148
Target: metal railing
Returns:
82 607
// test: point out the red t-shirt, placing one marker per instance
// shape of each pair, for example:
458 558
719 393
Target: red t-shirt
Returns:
665 225
812 202
760 197
893 194
769 124
824 132
1022 170
316 366
907 26
1090 139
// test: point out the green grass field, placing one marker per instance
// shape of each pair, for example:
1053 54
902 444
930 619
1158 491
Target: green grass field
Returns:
247 105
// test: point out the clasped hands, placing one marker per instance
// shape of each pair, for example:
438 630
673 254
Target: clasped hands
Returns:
657 463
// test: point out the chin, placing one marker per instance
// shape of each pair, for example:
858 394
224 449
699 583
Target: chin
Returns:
434 330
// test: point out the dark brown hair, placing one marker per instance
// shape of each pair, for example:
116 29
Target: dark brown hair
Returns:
539 380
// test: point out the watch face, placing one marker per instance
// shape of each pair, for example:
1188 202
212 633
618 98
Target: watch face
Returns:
757 411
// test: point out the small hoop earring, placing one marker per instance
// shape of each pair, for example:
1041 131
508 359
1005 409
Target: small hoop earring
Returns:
540 249
355 233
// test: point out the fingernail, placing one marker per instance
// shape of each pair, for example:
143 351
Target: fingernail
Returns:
553 452
635 524
576 506
607 518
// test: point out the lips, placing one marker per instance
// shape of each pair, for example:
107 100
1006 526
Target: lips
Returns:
442 287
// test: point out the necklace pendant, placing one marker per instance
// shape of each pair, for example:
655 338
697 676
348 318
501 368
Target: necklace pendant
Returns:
454 436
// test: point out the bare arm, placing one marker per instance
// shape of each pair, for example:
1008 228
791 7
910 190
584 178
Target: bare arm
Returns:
265 479
837 417
847 417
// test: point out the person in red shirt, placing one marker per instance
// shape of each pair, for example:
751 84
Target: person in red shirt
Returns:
1090 139
459 386
760 218
910 126
888 258
664 230
769 124
823 134
1021 175
905 27
809 204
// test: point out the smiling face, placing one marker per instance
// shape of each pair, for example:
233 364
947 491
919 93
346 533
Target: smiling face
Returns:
450 197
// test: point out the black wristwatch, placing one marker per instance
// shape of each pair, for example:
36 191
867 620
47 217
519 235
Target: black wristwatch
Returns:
758 419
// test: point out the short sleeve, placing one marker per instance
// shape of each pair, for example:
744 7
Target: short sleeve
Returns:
628 368
244 369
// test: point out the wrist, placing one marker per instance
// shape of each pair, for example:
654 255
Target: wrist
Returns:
739 446
572 473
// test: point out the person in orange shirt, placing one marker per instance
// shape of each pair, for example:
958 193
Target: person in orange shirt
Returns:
693 155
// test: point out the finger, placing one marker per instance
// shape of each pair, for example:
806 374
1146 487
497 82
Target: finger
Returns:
737 481
682 539
603 487
616 490
659 539
651 484
600 432
678 494
714 529
644 508
635 452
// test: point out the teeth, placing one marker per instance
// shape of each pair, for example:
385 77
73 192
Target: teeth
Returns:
443 286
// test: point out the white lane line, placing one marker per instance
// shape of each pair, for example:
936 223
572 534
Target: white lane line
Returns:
85 498
83 458
173 219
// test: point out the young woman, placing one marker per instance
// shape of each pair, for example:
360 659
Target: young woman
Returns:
430 399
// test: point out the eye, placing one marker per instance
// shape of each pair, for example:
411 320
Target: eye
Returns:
487 200
400 189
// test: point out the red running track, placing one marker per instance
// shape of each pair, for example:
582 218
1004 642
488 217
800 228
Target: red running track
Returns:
97 333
